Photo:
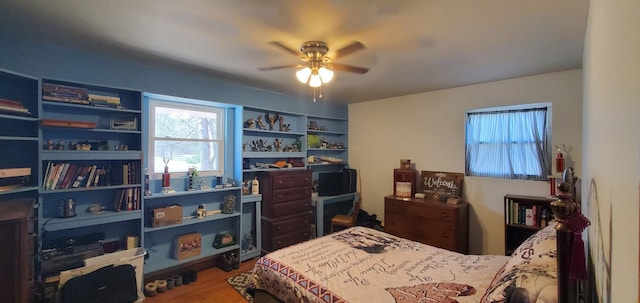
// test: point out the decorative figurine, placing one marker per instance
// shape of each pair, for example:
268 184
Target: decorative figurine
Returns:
147 190
283 127
201 212
229 204
193 174
260 123
277 144
272 120
250 123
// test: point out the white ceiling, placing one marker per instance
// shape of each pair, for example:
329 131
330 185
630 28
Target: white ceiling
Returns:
411 46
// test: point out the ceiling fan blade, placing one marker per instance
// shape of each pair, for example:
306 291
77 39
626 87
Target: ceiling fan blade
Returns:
353 47
349 68
285 48
277 67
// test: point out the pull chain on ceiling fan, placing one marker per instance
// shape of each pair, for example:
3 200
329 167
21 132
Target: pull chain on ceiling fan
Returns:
317 68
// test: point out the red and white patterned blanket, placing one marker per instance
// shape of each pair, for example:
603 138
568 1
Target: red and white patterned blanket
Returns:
365 265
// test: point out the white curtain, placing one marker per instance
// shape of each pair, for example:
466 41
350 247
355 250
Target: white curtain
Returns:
512 144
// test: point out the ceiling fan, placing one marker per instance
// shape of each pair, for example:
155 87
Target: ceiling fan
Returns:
317 67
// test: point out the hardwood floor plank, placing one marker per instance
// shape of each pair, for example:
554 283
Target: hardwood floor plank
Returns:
211 286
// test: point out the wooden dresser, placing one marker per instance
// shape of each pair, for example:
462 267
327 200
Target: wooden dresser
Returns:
286 208
17 256
431 222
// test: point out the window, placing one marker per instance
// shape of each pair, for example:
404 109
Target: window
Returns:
186 135
509 142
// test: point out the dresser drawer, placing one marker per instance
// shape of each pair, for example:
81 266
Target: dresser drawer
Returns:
290 238
425 210
300 178
433 233
286 208
291 194
279 227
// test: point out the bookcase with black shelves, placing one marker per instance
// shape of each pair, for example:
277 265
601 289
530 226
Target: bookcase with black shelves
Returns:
524 216
90 158
160 241
18 136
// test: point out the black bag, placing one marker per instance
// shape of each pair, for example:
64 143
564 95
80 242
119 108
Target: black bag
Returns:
111 284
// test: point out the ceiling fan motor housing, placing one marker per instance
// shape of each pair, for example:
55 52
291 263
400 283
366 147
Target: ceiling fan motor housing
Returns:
315 50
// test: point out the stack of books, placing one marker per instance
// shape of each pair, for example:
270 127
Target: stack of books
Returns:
104 101
13 107
63 93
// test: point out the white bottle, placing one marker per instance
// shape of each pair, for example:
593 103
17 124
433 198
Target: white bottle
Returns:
255 186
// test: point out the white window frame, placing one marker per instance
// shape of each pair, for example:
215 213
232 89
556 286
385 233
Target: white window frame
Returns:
547 146
221 127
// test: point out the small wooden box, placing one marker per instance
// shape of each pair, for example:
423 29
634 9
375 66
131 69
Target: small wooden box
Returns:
404 182
187 246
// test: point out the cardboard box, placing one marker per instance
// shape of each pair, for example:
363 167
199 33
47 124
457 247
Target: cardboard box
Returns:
164 216
187 246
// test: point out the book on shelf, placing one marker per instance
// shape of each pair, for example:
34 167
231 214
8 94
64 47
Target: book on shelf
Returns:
91 176
81 176
61 175
71 171
64 93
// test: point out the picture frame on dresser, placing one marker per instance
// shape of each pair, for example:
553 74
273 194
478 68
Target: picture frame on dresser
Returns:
404 183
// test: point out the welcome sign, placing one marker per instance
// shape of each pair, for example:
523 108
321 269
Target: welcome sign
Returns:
436 184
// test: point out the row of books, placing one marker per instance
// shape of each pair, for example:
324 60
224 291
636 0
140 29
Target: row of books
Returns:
13 107
78 95
526 214
65 175
127 199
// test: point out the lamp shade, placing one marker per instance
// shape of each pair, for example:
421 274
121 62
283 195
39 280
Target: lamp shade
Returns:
325 74
315 81
303 74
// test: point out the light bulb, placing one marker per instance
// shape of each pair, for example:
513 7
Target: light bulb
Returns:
303 74
325 74
314 81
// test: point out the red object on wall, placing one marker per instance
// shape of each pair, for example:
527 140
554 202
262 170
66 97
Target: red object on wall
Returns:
560 163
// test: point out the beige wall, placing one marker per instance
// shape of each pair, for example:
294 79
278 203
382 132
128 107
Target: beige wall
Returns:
612 144
428 128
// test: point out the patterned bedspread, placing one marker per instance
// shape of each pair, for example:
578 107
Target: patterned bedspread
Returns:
365 265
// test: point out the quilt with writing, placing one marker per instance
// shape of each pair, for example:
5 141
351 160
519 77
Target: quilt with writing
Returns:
365 265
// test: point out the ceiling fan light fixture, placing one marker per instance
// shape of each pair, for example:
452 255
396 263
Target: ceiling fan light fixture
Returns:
314 80
303 74
325 74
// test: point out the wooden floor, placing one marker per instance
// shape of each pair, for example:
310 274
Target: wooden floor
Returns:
211 286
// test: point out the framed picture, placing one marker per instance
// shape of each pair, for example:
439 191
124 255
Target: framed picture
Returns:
404 182
187 246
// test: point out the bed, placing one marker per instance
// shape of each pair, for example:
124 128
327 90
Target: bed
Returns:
360 264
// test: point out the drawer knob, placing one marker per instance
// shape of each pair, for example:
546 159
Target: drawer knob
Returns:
280 182
444 235
444 215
